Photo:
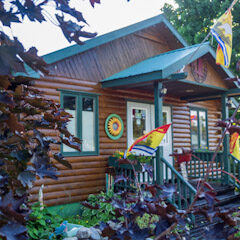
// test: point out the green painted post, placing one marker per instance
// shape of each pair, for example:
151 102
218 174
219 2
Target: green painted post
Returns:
158 102
226 161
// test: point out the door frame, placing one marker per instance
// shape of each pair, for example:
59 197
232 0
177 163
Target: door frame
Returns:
149 103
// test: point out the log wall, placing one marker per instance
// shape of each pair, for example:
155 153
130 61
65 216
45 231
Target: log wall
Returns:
83 72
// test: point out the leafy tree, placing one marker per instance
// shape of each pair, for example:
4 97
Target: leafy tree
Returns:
193 19
24 112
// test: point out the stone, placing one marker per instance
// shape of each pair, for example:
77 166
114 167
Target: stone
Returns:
71 238
72 232
83 233
114 226
95 234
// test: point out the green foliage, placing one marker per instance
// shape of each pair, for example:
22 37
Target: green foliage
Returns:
236 215
92 217
42 223
132 157
147 220
193 19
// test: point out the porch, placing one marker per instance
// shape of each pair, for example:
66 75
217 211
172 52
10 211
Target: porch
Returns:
170 74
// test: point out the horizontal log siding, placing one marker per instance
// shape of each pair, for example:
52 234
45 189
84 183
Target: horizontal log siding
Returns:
83 72
88 173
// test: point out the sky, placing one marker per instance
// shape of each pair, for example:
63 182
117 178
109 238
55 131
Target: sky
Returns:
105 17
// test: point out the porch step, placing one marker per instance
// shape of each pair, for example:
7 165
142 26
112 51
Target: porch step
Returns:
227 200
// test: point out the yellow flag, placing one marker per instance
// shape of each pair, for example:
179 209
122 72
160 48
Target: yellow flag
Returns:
222 31
148 143
234 145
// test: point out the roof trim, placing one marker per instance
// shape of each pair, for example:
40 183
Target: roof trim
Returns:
108 37
202 49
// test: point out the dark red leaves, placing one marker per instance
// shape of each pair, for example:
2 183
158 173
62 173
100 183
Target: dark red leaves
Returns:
6 98
14 124
221 124
59 157
90 206
73 31
234 129
31 10
94 1
13 231
8 17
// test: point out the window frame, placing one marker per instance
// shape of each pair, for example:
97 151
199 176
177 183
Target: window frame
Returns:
197 109
79 96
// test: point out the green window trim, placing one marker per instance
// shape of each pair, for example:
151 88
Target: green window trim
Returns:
79 96
198 125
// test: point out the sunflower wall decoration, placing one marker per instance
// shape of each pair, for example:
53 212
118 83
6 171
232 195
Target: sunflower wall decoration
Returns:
114 126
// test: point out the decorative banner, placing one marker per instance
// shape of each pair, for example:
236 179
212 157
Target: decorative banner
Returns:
114 126
222 31
234 145
147 144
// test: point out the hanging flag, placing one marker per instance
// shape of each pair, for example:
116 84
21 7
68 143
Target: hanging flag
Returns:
148 143
234 145
222 31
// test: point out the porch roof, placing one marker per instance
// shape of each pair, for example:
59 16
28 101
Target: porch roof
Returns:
162 66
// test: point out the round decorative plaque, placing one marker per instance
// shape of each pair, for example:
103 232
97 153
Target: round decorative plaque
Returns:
199 70
114 126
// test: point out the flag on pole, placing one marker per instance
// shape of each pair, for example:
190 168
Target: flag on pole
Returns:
222 31
234 145
148 143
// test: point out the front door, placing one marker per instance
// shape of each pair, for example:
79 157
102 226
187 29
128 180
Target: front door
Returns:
141 120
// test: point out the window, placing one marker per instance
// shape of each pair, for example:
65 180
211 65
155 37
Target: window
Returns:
84 122
199 133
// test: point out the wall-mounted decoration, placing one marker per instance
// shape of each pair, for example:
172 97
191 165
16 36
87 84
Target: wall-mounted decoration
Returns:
199 70
114 126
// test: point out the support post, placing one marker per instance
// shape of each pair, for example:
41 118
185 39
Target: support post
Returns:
158 102
225 140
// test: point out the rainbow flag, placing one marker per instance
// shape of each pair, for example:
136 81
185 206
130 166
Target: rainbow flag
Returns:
222 31
148 143
234 145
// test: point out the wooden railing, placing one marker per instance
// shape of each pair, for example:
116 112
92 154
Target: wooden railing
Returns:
126 170
197 167
184 190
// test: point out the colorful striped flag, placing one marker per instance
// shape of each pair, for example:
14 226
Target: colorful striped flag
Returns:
148 143
234 145
222 31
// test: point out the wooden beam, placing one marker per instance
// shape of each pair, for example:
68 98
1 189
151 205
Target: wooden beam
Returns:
158 102
233 91
226 139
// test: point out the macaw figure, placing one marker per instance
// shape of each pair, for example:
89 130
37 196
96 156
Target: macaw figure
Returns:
59 230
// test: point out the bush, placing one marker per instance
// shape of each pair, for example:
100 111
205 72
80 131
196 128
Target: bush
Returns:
42 222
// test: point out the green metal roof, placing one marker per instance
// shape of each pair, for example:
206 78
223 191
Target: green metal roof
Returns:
160 66
103 39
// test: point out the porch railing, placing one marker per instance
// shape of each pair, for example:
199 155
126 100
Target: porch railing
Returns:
184 190
197 167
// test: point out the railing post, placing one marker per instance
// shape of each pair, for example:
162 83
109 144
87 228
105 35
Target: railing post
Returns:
226 161
158 102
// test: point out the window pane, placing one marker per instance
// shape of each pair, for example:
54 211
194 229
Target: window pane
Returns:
203 129
69 105
139 123
88 125
194 129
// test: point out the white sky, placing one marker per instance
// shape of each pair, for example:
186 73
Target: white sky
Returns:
105 17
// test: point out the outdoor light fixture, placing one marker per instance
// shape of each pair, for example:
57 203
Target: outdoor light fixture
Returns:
162 92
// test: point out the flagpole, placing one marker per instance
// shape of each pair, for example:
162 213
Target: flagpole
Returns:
232 5
205 39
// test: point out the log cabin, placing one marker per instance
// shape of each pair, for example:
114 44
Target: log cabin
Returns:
143 76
